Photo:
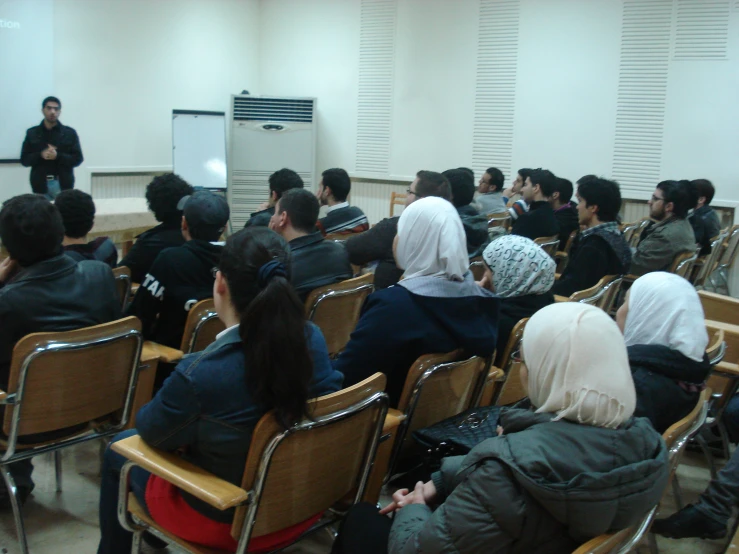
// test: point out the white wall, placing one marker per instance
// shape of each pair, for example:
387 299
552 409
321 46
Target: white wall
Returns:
122 66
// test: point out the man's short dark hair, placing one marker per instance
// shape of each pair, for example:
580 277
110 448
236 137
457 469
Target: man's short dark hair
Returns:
564 188
31 229
603 193
163 194
704 187
462 184
78 212
302 208
283 180
497 179
679 194
51 99
525 173
545 179
338 181
692 193
431 183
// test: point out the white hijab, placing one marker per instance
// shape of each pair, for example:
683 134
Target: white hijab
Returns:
519 266
578 367
431 241
664 309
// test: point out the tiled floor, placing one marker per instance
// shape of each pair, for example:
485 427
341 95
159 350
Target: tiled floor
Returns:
67 522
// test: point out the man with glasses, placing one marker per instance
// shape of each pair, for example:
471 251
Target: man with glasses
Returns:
670 232
52 151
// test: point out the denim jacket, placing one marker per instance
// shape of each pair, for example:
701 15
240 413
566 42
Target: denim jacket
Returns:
206 409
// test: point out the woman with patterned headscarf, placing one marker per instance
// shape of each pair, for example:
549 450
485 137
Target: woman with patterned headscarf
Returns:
521 274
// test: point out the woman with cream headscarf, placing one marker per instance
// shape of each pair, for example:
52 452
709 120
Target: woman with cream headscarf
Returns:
521 274
437 307
574 466
665 332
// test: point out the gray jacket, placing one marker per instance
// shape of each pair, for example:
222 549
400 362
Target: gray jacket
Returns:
490 203
660 243
543 487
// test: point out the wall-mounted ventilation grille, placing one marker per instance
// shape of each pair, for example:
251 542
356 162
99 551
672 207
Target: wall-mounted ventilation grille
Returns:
495 91
642 90
702 29
249 189
273 109
376 75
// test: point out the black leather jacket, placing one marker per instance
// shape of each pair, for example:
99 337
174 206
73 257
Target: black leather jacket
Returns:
69 155
58 294
315 262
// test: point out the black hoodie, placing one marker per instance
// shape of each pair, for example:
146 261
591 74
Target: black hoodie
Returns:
178 279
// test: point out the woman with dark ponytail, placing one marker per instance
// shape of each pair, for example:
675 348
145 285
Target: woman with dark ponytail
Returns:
268 358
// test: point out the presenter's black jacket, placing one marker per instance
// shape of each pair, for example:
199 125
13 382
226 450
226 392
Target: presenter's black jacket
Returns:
69 155
147 247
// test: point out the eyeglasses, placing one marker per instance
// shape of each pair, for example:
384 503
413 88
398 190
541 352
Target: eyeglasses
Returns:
656 199
409 191
213 271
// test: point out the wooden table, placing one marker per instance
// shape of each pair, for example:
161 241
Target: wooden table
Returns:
121 219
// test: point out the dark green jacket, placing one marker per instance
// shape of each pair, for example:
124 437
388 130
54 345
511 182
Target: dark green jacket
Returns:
660 243
543 487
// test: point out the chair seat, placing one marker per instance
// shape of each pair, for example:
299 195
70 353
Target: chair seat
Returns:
139 513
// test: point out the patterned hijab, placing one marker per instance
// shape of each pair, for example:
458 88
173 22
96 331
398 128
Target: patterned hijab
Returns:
519 266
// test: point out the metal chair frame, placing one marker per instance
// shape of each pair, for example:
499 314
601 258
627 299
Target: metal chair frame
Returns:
210 315
707 264
593 300
335 294
126 277
723 268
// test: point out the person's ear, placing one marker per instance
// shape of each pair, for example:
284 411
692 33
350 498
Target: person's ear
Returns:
555 195
273 196
183 225
670 207
221 286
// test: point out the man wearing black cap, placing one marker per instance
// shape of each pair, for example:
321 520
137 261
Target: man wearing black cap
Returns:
181 276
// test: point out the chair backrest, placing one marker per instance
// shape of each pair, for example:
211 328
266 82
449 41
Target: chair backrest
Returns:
65 379
683 263
719 307
548 244
201 327
477 267
122 284
396 199
728 254
636 236
570 240
296 473
678 433
511 390
499 219
707 264
622 542
602 294
340 237
628 230
335 309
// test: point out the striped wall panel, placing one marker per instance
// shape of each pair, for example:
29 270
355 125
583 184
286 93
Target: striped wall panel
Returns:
120 185
374 198
702 29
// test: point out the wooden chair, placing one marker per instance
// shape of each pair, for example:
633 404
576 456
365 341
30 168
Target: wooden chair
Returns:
500 219
396 199
477 267
682 265
201 327
727 257
78 384
549 245
628 230
507 388
636 236
719 307
123 284
335 309
562 257
279 489
706 265
601 295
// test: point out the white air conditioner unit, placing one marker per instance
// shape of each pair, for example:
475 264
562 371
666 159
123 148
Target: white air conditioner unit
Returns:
267 134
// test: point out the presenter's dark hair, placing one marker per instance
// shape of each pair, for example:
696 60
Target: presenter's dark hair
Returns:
31 229
302 208
338 181
462 184
163 194
283 180
603 193
272 326
679 194
431 183
78 212
497 179
704 187
51 99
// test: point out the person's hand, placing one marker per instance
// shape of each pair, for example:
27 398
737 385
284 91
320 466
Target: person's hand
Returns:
499 430
8 267
51 152
485 282
418 493
426 494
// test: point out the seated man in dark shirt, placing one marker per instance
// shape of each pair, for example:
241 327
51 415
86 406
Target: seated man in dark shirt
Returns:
341 218
314 261
539 221
42 290
78 214
705 221
183 275
462 182
279 183
565 210
376 245
600 249
162 194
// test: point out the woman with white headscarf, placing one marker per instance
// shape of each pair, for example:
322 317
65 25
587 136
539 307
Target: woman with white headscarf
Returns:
521 274
665 332
574 466
437 307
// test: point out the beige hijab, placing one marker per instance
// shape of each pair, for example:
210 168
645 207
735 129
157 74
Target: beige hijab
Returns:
578 367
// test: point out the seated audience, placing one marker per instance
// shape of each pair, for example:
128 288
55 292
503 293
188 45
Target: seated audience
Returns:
462 182
181 276
437 307
513 194
78 215
669 234
333 191
704 220
314 261
279 183
539 220
42 290
268 358
564 210
521 274
575 466
490 188
376 245
663 324
163 195
600 249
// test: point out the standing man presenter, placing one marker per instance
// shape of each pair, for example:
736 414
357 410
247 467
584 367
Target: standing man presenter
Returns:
52 151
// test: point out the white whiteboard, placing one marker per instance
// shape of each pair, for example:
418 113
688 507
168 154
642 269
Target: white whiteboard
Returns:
199 147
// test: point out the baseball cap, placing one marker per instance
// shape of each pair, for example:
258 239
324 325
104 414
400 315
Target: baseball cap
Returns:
203 208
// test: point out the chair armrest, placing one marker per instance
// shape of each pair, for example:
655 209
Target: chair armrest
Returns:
181 473
134 287
726 369
392 420
3 396
630 278
163 353
561 255
495 374
558 298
